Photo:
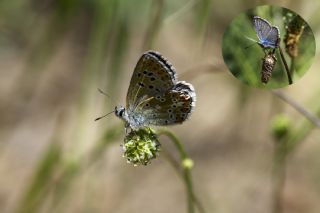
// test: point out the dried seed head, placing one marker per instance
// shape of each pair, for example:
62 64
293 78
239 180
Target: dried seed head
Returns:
294 30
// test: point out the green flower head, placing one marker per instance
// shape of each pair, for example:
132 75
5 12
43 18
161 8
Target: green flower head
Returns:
280 126
141 146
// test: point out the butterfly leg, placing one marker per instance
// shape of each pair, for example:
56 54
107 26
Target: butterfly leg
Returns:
127 128
265 50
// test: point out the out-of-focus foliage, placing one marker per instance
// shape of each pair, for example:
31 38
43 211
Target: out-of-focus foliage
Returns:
54 54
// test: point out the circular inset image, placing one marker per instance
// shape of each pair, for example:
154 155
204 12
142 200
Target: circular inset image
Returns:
268 47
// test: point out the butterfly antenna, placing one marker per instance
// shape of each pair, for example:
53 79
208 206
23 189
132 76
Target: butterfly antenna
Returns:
251 39
107 95
103 116
247 47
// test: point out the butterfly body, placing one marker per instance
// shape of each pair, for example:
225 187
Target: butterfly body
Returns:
132 120
155 97
268 35
266 44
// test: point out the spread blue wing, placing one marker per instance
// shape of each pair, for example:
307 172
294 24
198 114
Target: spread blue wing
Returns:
268 35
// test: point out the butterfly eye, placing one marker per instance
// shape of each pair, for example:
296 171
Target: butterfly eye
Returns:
119 111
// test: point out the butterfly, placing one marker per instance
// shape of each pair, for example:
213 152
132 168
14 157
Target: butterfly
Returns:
269 36
155 97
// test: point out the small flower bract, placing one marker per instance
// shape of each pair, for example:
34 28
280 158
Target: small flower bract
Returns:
141 146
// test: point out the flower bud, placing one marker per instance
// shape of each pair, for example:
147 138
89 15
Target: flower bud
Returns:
280 126
141 146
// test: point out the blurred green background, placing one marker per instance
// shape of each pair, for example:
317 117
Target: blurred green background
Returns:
54 54
246 63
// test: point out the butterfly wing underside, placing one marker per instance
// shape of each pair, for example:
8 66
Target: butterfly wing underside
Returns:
155 96
171 107
152 75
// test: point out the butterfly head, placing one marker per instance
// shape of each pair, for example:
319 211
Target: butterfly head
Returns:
120 111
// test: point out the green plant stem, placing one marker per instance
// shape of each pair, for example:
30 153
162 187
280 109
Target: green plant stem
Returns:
285 146
292 65
39 187
186 170
294 138
181 11
286 66
154 25
279 176
175 164
306 113
55 174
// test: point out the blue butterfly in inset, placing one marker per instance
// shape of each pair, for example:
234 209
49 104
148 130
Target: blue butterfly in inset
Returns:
269 36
